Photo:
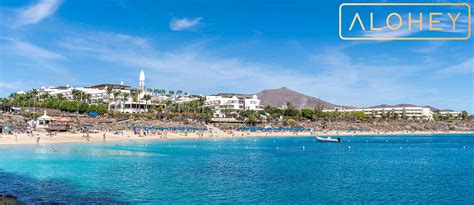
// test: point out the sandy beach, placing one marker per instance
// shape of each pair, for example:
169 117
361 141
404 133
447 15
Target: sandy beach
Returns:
44 138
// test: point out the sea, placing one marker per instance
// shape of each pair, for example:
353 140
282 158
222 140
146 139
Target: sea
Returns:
279 170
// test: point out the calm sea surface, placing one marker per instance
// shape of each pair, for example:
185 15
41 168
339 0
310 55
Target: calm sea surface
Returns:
397 169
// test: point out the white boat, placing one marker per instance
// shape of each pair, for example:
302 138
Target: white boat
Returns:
328 139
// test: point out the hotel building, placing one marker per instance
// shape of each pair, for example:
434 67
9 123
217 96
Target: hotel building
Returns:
98 94
449 113
227 103
409 112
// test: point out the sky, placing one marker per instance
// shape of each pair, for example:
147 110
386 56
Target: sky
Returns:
242 46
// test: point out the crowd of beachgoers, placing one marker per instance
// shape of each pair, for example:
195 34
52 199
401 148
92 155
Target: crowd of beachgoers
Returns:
112 129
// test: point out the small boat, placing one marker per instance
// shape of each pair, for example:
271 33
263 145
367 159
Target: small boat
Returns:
328 139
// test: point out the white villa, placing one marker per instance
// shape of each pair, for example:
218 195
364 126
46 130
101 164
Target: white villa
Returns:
410 112
44 121
227 103
98 94
449 113
129 105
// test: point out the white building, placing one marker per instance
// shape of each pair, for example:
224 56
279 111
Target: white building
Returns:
44 121
223 104
130 106
410 112
98 94
65 91
139 105
449 113
185 99
252 103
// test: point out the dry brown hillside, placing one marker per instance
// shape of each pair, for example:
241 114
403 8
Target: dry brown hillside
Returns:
281 96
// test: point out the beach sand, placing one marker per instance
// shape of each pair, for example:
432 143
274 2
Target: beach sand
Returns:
44 138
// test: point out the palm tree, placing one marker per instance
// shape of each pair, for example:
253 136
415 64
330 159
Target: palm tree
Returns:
170 93
87 97
77 94
134 95
464 115
149 90
252 119
34 93
44 96
146 97
60 96
116 95
290 109
109 91
125 98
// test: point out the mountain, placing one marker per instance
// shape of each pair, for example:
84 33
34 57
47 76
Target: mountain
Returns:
279 97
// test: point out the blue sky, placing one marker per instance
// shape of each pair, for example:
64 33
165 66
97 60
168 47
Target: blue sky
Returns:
205 47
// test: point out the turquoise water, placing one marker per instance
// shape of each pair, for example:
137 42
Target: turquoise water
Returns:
397 169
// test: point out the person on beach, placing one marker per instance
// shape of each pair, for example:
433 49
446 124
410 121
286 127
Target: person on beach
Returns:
104 136
38 140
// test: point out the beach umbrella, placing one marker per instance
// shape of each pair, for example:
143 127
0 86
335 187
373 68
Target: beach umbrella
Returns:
7 129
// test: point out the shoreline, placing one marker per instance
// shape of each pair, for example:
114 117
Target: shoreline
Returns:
67 138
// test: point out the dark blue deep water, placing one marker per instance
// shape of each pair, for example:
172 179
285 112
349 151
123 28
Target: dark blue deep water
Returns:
381 169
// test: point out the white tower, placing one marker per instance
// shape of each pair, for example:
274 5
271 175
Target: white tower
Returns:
142 80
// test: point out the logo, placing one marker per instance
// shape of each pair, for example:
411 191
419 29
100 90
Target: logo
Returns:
405 21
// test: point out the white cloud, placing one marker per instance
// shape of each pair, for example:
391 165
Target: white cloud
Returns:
10 85
36 12
187 67
466 67
29 50
184 23
430 47
361 83
23 55
334 75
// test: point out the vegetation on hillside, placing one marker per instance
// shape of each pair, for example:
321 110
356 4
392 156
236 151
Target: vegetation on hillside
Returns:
289 114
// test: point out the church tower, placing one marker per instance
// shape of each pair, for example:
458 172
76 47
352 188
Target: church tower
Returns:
141 83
